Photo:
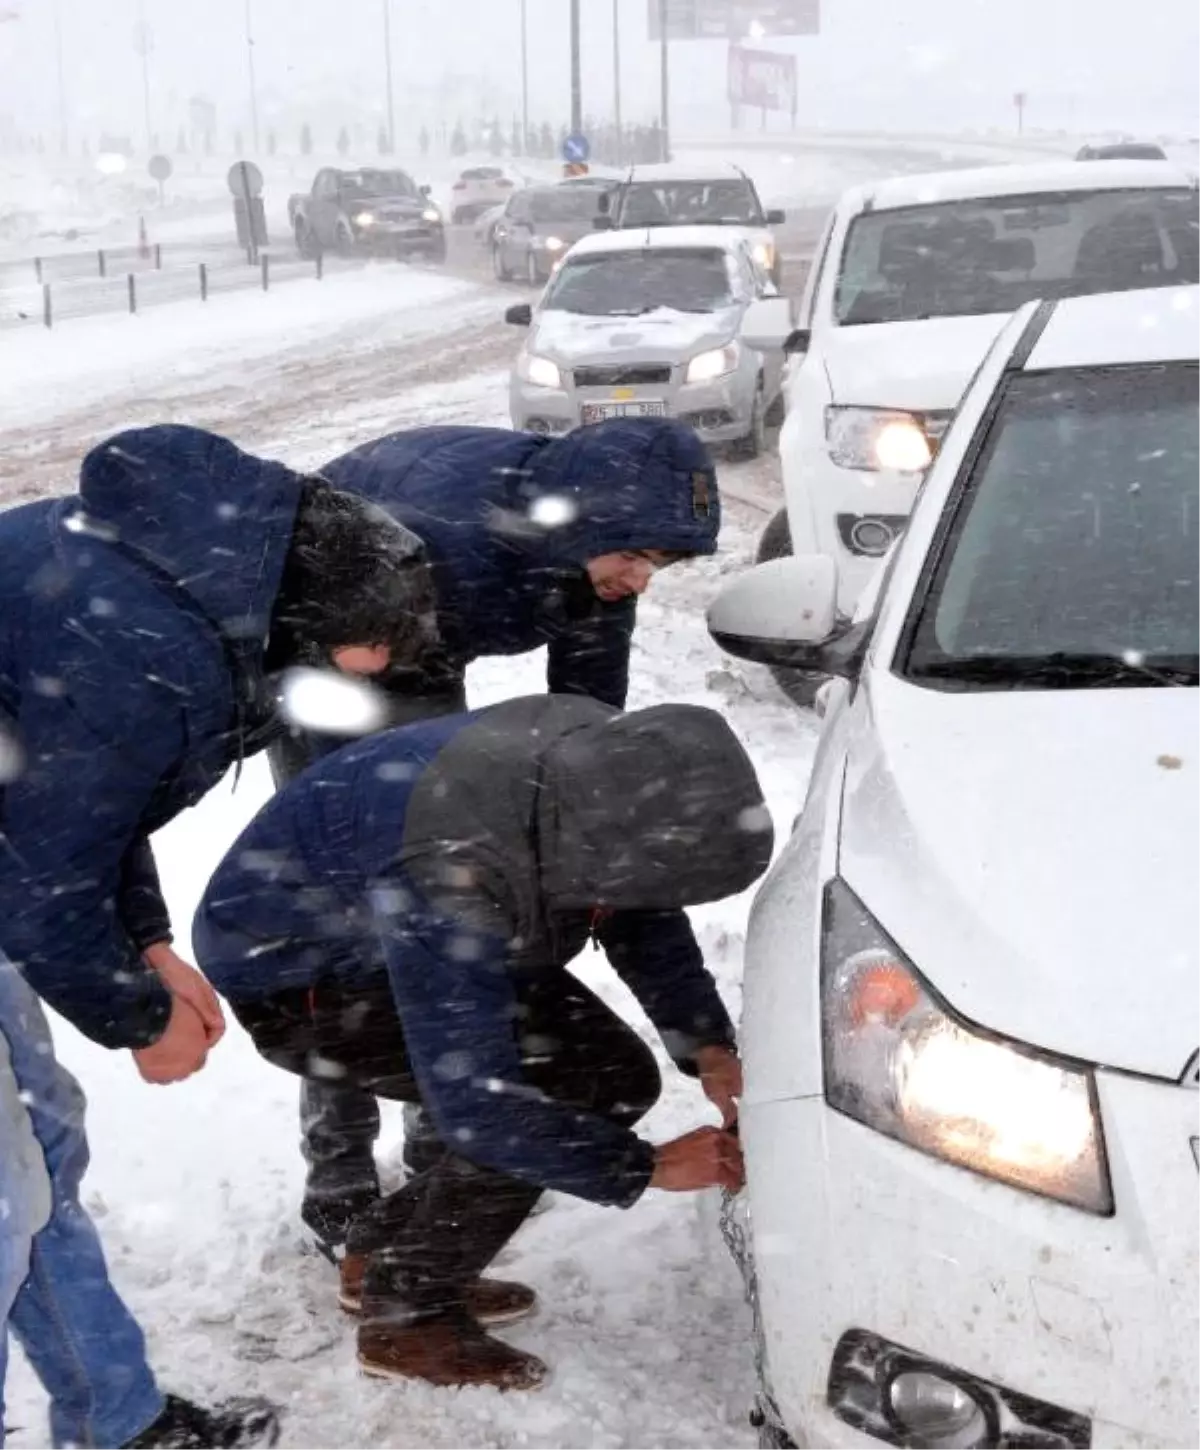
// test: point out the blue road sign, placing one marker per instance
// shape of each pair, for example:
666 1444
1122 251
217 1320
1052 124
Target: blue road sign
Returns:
576 148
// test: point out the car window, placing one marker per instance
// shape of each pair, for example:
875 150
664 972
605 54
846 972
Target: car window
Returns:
812 289
746 280
1075 539
995 254
564 204
689 203
518 208
368 183
626 284
326 185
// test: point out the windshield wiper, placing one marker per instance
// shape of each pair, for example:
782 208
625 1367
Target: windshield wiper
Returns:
1061 670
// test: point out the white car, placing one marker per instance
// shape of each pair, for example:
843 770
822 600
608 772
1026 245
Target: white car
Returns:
971 985
478 189
645 323
912 282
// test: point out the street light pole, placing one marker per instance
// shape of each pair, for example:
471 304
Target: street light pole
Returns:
62 84
666 82
524 78
576 79
617 79
144 45
387 61
253 80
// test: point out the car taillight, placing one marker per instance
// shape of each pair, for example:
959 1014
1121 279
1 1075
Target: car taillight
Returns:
459 186
505 185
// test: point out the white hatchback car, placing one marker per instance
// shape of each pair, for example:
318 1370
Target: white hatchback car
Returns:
972 988
478 189
913 280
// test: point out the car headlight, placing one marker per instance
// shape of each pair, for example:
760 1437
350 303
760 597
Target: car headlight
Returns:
764 255
875 438
364 219
898 1060
554 244
715 364
538 370
431 214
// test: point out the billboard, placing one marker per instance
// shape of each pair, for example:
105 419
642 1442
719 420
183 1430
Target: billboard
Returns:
764 79
735 19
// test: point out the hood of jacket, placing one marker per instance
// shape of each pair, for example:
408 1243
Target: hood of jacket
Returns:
215 521
628 483
652 810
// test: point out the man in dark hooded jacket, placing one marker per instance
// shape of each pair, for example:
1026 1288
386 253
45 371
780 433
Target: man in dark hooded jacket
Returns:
140 621
401 918
533 542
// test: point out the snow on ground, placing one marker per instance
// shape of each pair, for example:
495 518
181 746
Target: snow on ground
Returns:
195 1188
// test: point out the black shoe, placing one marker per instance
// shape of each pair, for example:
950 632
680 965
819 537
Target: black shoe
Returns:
184 1426
329 1216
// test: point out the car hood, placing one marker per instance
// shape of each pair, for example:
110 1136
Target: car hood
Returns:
1035 855
918 365
663 335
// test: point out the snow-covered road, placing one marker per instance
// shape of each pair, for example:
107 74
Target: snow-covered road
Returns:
196 1187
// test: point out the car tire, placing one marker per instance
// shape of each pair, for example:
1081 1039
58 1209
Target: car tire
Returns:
533 273
499 265
755 441
800 686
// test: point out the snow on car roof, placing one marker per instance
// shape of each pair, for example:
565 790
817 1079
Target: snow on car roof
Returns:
987 181
640 239
687 171
1153 325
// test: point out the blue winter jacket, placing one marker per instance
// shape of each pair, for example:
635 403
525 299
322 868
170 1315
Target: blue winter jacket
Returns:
467 852
132 622
510 520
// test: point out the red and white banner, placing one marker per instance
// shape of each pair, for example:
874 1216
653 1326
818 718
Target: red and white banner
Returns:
764 79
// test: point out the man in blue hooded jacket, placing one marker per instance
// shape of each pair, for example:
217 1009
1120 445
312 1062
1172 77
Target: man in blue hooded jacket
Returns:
533 542
403 916
140 623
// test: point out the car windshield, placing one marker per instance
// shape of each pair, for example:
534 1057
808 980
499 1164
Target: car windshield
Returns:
380 183
688 203
994 254
565 204
1072 559
626 284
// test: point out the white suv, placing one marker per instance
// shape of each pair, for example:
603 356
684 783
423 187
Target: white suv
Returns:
971 983
913 280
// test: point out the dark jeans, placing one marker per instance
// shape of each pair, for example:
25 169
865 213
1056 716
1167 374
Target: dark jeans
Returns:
339 1124
433 1237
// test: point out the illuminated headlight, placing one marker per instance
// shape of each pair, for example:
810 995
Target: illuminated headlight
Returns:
431 214
899 1061
538 370
875 438
715 364
364 219
764 255
554 244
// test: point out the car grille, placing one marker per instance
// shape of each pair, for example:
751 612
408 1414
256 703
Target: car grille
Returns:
623 376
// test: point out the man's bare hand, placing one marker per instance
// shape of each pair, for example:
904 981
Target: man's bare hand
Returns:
181 979
181 1051
707 1158
721 1078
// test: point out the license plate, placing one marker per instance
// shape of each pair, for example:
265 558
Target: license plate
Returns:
597 412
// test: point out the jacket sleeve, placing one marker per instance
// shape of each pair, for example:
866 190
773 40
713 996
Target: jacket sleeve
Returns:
656 955
142 910
74 859
458 1009
591 656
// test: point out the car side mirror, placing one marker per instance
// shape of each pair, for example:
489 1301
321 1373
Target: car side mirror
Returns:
426 190
520 316
784 614
776 218
798 341
767 324
604 223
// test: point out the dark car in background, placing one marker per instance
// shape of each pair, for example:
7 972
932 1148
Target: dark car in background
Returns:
376 211
540 224
1121 151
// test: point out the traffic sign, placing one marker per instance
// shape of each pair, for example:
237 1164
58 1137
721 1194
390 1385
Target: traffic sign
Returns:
576 148
244 179
160 168
734 19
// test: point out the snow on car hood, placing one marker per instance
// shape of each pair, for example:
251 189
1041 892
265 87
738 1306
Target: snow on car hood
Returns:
663 335
917 365
1035 855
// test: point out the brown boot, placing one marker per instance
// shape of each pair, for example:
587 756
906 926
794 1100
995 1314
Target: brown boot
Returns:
487 1301
450 1351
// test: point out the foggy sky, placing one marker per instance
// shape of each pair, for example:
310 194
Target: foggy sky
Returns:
879 64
